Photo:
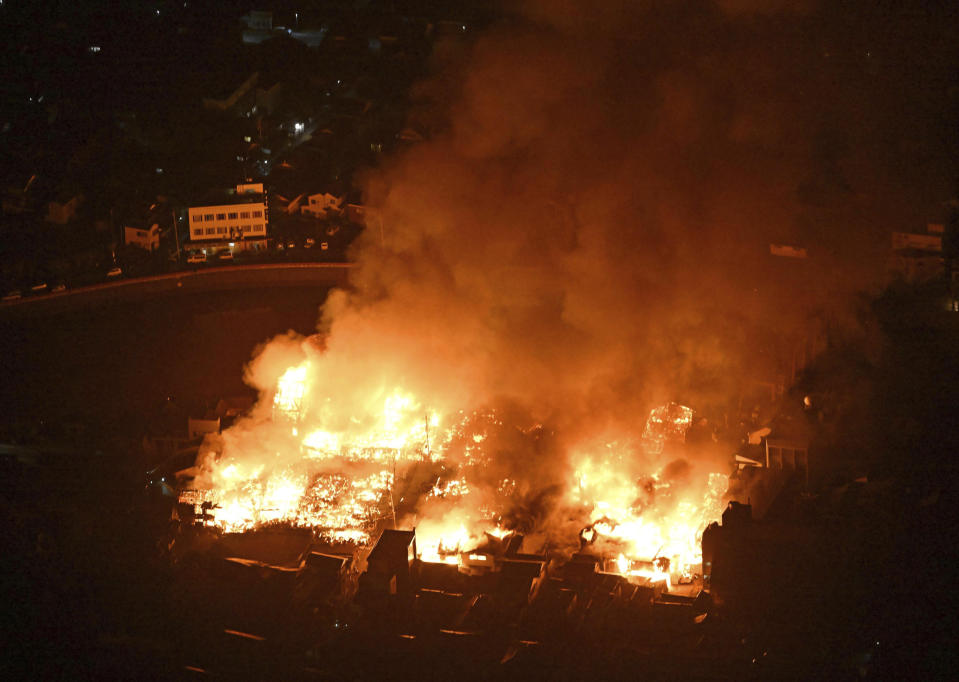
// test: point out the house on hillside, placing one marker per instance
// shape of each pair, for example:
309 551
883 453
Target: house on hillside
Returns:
322 205
143 237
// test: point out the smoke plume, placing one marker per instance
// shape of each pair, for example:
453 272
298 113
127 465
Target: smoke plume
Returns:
585 233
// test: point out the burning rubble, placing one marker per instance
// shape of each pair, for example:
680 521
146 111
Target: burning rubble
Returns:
401 464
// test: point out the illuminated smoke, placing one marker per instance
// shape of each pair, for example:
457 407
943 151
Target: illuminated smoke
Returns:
583 237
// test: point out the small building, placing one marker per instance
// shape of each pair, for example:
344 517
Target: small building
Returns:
390 562
322 205
791 455
520 579
324 579
250 188
145 238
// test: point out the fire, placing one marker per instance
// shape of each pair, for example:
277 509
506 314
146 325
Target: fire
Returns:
650 518
290 390
443 542
346 477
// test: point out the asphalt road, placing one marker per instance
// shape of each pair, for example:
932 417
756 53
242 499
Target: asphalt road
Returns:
196 280
108 356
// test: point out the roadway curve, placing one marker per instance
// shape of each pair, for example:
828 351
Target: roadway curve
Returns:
233 277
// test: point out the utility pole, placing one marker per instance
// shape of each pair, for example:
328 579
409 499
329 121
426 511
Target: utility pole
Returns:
426 423
115 235
392 484
176 236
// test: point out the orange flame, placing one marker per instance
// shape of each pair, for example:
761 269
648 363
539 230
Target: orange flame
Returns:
340 482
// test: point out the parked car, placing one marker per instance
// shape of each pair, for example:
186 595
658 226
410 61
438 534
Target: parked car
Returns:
196 258
226 255
13 295
309 243
324 245
38 288
115 271
291 244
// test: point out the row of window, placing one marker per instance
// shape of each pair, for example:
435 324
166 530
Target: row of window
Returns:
212 231
241 215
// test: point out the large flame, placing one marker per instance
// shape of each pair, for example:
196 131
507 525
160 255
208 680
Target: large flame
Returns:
342 478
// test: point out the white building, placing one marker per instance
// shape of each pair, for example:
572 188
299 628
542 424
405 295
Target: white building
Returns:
250 188
228 221
322 205
244 220
148 238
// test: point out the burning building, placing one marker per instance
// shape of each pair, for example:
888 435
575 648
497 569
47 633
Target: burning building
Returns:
404 465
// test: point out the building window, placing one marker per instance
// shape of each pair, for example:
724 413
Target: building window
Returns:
245 229
231 216
257 214
245 215
221 216
197 218
208 217
258 228
210 230
221 230
198 233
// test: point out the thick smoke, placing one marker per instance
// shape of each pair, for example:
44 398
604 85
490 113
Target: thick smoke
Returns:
588 232
585 233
